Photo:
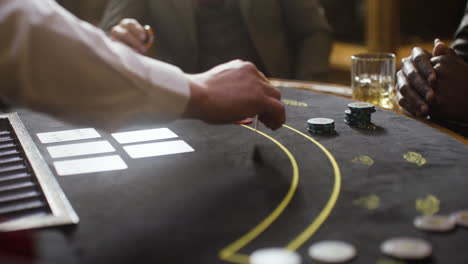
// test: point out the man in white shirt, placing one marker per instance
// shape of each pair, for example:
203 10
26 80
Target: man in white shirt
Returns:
52 62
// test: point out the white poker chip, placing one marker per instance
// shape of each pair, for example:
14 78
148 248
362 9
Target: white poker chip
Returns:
406 248
461 218
435 223
331 251
274 256
320 121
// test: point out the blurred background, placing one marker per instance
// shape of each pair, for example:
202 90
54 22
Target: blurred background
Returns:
359 26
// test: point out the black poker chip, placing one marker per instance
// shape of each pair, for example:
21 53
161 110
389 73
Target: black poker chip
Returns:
321 126
359 115
361 107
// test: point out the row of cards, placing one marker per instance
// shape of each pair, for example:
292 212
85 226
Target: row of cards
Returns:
103 147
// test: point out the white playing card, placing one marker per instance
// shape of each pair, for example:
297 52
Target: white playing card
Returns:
68 135
143 135
158 149
80 149
89 165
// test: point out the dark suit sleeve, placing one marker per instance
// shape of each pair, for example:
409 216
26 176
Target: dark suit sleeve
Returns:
311 37
460 45
116 10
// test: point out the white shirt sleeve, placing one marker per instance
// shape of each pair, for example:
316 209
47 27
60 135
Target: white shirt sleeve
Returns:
50 61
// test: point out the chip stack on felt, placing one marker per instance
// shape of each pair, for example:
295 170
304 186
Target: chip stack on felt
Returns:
321 126
359 115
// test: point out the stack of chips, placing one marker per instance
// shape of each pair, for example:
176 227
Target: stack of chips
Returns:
321 126
359 115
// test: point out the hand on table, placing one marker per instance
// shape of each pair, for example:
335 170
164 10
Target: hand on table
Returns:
451 87
434 83
131 33
234 91
414 80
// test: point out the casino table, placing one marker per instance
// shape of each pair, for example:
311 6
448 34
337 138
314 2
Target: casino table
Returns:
221 202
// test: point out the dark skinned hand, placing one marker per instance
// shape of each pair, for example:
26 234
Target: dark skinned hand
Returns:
451 87
428 83
414 80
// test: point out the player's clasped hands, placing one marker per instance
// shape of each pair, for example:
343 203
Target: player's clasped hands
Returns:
234 91
434 83
133 34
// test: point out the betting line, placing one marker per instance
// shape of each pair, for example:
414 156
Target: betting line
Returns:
230 254
315 225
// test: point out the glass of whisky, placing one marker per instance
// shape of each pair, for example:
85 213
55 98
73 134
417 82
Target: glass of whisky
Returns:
373 78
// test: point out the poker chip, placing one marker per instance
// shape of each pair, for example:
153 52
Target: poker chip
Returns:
321 125
406 248
362 106
434 223
332 252
246 121
274 256
359 115
461 218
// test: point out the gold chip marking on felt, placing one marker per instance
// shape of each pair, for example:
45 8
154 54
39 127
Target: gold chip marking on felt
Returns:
414 157
370 202
364 160
428 205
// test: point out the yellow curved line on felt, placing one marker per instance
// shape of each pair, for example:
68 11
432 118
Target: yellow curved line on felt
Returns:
315 225
229 252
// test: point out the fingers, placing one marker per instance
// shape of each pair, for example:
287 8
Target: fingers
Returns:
261 75
408 98
121 34
440 48
272 91
441 70
131 33
444 56
445 64
404 104
253 68
443 60
274 114
421 60
134 28
439 63
416 81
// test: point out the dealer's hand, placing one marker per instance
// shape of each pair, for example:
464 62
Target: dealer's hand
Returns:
234 91
131 33
414 81
451 88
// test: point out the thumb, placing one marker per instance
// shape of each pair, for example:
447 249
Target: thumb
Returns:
440 48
